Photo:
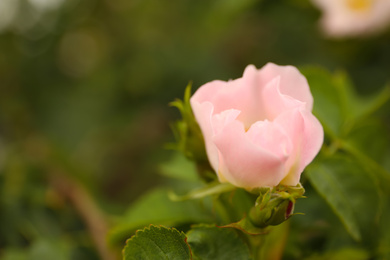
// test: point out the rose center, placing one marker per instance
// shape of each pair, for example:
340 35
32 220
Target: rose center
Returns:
359 5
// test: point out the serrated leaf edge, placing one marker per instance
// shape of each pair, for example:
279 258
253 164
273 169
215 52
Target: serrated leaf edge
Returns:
159 227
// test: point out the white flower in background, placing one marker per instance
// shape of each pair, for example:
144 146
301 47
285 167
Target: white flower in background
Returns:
46 4
22 15
354 17
8 11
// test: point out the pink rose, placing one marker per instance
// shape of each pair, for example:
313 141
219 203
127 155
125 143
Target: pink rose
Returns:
259 130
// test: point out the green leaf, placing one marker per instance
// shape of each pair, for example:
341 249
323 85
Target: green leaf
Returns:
330 106
157 243
365 106
336 103
210 242
371 137
350 191
369 143
179 167
156 208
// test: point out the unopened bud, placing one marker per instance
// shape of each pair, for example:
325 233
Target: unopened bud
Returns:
275 206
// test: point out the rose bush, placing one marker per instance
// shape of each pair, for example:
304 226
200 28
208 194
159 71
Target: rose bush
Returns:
259 130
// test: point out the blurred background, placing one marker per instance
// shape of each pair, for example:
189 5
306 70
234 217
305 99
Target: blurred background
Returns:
84 93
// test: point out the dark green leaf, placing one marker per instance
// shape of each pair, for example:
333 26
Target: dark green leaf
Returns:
364 107
336 104
351 192
329 105
372 138
157 243
210 242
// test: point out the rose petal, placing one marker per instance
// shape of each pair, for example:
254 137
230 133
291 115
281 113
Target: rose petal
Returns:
306 134
243 94
292 82
203 115
244 163
275 102
271 137
210 125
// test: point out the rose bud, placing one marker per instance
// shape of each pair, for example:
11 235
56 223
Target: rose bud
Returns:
259 130
275 206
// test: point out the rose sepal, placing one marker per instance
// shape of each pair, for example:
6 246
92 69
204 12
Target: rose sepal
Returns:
186 131
212 188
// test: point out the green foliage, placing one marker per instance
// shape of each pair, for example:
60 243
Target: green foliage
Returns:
156 208
351 192
345 253
187 132
336 104
179 167
350 172
201 242
210 242
157 243
41 249
329 106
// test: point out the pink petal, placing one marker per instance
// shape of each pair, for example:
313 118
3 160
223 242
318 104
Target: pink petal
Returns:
275 102
243 94
271 137
292 82
203 115
306 135
211 125
244 163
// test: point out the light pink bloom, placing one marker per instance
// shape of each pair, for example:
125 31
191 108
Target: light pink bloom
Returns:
353 17
259 130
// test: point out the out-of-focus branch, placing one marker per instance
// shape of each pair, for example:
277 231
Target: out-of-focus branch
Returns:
39 150
88 210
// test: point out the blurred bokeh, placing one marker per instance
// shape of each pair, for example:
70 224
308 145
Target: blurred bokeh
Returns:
85 87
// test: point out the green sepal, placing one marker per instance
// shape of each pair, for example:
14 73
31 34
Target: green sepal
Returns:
189 138
246 226
212 188
275 205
